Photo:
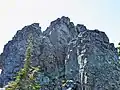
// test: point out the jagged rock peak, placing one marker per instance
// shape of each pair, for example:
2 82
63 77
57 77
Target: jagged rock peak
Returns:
35 24
32 27
83 58
102 35
61 31
70 25
80 28
63 19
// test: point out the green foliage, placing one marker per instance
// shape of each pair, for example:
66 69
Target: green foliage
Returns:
26 77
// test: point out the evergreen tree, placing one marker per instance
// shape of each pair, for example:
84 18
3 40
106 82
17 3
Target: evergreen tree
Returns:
26 77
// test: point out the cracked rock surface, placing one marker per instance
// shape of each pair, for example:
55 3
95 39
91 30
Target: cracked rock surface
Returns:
71 57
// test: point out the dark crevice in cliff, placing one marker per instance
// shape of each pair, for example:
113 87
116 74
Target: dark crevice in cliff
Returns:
83 58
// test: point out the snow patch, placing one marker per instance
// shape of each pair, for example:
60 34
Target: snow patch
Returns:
68 56
70 50
0 73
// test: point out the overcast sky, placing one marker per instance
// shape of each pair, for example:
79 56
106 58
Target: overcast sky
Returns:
94 14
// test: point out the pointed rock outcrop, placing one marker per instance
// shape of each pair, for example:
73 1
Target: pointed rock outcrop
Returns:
71 57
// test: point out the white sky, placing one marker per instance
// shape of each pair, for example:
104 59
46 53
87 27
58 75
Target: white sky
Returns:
94 14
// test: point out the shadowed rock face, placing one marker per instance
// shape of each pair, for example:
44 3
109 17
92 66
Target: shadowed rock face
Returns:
92 61
83 58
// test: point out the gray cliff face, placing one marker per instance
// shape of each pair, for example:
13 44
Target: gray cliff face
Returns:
14 52
92 62
83 58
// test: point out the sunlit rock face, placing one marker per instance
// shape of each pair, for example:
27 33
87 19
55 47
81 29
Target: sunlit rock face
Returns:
71 57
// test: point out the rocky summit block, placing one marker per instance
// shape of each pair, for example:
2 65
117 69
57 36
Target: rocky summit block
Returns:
71 57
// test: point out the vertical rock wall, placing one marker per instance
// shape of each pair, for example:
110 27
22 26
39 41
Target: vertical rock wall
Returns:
84 59
93 62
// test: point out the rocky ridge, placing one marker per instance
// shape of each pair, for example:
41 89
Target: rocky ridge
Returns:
84 59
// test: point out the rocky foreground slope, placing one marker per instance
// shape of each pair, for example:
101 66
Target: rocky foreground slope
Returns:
84 59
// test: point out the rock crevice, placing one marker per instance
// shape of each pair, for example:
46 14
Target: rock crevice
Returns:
84 59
